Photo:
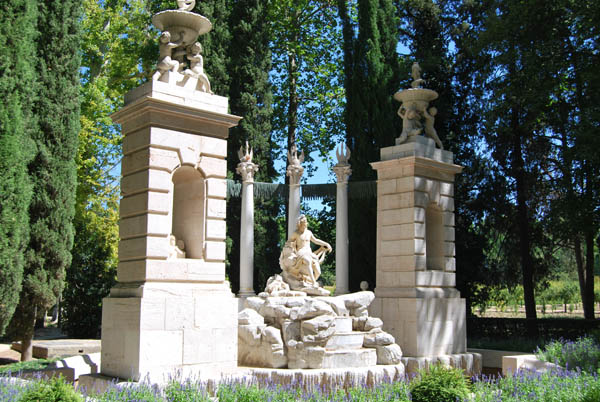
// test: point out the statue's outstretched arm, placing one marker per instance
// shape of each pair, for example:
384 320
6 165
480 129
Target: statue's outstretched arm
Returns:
319 242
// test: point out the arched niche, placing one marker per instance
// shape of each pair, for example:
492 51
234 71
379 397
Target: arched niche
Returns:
434 237
188 209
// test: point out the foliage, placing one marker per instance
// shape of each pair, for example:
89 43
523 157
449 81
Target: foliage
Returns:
55 390
513 344
186 391
553 386
584 353
131 392
371 76
92 274
251 97
28 365
52 169
439 384
17 91
306 75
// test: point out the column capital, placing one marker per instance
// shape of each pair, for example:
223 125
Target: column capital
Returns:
247 170
342 172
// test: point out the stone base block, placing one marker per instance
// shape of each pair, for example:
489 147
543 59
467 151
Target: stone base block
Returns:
348 358
469 362
338 378
168 327
343 341
424 327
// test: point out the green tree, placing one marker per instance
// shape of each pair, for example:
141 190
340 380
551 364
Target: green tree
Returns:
573 116
516 62
371 77
251 96
17 84
118 51
52 170
306 76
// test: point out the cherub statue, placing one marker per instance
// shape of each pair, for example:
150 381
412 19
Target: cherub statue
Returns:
416 75
186 5
429 129
194 55
301 267
176 248
411 124
165 47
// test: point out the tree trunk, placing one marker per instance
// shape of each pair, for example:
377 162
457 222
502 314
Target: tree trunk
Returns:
26 349
588 293
579 264
523 220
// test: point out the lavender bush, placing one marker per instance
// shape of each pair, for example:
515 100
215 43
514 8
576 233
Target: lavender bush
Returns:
558 385
584 354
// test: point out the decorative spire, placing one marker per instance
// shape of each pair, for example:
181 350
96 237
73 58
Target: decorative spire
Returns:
342 169
246 168
295 169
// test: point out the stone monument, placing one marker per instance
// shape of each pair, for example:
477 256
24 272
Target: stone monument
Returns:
416 293
172 308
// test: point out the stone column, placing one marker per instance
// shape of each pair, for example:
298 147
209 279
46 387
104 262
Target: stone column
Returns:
342 171
416 295
247 169
294 172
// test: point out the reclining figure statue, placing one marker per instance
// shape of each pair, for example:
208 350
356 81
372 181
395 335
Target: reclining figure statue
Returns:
300 265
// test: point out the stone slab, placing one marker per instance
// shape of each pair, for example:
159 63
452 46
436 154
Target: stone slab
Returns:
493 358
61 347
81 365
512 364
470 363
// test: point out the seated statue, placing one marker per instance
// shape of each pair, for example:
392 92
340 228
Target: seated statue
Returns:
176 248
300 265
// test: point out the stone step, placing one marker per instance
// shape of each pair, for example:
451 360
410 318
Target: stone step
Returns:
349 358
345 341
343 325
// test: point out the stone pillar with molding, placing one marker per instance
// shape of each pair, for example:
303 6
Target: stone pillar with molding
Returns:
246 168
294 172
342 171
416 295
172 309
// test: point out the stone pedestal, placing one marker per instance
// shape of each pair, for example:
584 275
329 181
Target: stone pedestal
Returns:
170 313
415 291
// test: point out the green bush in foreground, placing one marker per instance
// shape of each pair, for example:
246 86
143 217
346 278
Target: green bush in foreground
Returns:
440 384
55 390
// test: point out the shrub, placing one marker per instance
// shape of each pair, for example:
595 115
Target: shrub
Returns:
440 384
55 390
583 353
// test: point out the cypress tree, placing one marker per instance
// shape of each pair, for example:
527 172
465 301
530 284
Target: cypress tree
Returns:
216 44
17 83
52 170
371 77
251 97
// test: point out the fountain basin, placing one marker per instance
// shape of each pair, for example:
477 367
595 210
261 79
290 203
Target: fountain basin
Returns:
177 21
419 96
